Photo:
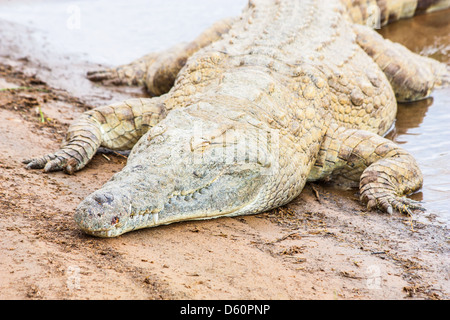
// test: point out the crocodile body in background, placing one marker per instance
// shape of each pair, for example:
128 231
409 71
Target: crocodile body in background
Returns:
246 114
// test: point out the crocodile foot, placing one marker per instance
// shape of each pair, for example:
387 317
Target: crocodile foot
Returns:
155 71
57 161
123 75
107 76
378 190
389 203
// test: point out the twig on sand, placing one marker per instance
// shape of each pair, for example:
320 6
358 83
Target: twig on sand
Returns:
316 192
41 114
24 88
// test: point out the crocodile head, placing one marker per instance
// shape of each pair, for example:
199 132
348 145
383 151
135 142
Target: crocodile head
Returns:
181 173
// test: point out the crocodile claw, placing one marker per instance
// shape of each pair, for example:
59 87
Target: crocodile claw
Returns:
53 162
107 77
390 203
99 75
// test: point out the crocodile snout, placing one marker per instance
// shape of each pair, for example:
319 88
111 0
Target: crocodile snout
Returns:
101 213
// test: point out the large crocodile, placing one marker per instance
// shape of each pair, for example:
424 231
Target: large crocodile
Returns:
247 113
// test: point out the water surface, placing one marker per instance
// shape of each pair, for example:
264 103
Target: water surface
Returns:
116 32
423 127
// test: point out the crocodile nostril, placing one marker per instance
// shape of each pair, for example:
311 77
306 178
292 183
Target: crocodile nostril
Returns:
98 199
104 198
109 198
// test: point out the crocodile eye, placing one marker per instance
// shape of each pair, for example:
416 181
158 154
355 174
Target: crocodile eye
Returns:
114 220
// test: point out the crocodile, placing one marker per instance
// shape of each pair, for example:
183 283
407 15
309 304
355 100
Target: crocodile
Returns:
242 117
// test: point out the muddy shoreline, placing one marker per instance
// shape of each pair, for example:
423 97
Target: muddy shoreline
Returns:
323 245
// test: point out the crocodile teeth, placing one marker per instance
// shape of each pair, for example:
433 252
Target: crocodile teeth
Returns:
155 218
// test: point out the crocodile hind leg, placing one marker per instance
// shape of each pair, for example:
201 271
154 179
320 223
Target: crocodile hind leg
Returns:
385 172
157 71
131 74
412 76
378 13
118 127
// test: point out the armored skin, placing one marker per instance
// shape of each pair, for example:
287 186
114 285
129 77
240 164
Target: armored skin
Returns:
246 114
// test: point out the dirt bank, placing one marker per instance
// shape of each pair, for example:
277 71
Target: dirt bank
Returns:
324 245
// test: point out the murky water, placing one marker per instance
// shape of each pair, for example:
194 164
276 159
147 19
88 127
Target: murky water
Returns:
116 32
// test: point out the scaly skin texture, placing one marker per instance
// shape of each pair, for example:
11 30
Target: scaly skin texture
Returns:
289 92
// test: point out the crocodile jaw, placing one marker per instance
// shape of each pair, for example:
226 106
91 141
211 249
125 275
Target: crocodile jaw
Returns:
173 175
116 209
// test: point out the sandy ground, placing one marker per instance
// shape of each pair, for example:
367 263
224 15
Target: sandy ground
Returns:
324 245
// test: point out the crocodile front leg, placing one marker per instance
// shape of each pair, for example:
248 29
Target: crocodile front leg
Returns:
385 172
157 71
117 127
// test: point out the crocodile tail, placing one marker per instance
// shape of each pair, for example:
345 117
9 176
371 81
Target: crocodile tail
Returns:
378 13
